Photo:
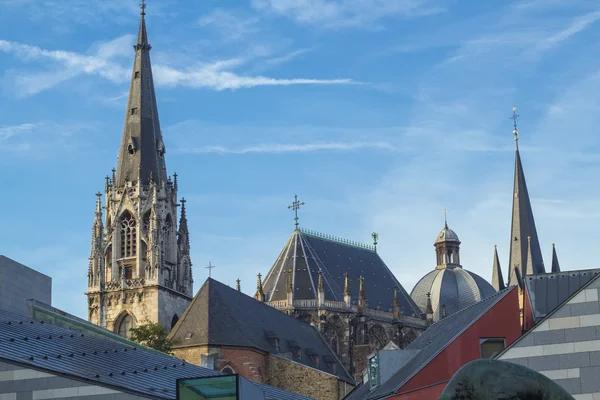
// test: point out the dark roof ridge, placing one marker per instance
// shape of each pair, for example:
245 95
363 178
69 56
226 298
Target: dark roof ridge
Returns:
337 239
563 272
547 316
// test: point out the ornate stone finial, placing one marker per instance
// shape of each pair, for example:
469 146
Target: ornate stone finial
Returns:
396 304
362 303
113 175
346 285
143 8
514 117
237 285
296 204
429 310
175 181
260 295
321 285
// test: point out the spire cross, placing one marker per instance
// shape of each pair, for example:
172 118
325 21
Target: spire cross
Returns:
143 7
445 217
514 117
183 201
296 204
209 268
99 195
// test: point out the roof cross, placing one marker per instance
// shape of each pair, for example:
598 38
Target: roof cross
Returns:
209 268
296 204
514 117
445 217
143 7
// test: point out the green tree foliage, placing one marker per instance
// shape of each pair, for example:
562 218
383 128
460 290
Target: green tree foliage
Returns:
153 335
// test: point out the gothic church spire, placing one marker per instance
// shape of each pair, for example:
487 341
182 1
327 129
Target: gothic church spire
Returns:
523 226
142 150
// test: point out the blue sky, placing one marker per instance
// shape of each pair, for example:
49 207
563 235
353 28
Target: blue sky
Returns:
378 113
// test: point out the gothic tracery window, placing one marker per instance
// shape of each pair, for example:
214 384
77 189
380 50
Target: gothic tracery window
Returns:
128 236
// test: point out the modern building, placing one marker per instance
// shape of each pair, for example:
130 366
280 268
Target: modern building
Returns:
140 269
42 361
422 370
345 289
225 330
19 283
564 344
449 287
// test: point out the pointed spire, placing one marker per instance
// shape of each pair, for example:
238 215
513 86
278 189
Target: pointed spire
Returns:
142 150
529 270
183 227
362 300
260 295
555 265
429 310
523 225
238 286
497 278
346 285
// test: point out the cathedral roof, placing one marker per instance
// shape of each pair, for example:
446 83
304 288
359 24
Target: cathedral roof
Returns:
222 316
456 288
141 154
307 252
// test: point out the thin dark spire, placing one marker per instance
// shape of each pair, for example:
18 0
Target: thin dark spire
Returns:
555 265
497 278
142 150
523 226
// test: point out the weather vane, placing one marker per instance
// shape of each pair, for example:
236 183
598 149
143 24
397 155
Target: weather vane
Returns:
296 206
514 117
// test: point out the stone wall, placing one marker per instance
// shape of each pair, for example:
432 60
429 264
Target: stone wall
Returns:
566 346
17 383
298 378
141 304
19 283
170 304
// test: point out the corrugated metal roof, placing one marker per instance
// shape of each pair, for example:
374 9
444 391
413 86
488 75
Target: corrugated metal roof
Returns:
98 360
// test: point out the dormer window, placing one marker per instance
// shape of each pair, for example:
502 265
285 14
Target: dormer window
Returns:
273 339
296 351
315 359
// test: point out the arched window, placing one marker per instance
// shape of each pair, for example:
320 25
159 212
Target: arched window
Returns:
125 326
128 236
174 320
228 370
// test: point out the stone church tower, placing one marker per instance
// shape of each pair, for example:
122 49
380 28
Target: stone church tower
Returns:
140 269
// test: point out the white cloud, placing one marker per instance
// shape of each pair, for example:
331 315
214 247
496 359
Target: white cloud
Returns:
345 13
230 26
275 148
217 75
286 57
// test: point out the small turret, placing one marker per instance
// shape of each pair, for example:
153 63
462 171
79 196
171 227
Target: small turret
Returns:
555 265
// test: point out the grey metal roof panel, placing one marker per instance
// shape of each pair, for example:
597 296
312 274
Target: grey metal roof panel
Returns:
435 339
272 393
95 359
547 291
220 315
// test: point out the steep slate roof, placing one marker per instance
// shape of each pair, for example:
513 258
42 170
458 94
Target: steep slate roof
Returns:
434 340
142 148
100 361
220 315
307 252
523 226
548 291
